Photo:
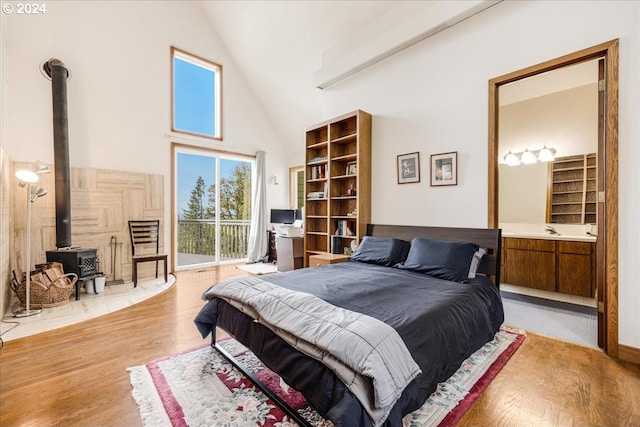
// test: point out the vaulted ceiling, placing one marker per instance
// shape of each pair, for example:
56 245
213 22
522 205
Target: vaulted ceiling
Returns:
285 50
278 46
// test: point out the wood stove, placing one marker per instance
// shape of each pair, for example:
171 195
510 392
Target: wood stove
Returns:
81 261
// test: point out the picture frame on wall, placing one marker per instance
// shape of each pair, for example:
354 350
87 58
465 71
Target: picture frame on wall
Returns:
408 168
444 169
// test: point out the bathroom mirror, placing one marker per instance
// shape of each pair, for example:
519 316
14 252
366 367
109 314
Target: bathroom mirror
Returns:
557 109
523 193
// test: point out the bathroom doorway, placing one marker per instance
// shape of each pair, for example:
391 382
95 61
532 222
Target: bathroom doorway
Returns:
607 154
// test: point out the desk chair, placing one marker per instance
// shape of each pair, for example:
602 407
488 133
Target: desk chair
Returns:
145 234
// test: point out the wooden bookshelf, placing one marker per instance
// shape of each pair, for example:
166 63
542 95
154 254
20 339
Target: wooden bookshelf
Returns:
572 190
338 182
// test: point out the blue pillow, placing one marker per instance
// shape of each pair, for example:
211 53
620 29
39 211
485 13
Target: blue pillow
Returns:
381 250
441 259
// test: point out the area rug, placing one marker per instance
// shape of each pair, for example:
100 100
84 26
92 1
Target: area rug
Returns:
200 388
258 268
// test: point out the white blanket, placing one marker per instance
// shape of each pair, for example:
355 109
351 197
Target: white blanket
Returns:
367 355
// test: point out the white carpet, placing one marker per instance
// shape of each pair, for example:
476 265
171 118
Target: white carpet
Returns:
568 322
258 268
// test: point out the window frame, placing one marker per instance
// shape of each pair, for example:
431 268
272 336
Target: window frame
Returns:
218 109
219 155
295 202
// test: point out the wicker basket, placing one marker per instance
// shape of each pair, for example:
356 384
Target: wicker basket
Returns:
50 286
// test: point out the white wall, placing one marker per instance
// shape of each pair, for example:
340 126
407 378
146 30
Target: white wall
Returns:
119 100
433 98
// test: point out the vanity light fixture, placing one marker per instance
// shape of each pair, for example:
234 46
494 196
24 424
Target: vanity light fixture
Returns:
530 156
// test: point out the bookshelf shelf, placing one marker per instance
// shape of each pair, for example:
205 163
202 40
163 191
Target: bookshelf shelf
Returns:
572 182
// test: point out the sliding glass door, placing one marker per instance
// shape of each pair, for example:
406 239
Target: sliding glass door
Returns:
212 205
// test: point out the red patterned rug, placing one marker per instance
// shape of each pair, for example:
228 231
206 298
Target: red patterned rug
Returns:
199 387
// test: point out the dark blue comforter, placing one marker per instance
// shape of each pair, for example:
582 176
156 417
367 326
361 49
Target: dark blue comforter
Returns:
441 322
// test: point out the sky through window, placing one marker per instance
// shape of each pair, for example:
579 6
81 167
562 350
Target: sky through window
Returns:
196 96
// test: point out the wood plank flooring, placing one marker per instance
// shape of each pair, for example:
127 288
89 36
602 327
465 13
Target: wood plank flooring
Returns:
76 376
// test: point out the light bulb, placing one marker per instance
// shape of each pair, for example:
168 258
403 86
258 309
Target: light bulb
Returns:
528 157
27 176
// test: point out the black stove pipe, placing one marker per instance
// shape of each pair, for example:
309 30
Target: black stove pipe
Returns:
58 73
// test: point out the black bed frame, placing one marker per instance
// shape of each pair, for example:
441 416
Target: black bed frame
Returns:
490 239
270 394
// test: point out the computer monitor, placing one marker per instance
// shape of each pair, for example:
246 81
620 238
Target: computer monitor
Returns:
283 216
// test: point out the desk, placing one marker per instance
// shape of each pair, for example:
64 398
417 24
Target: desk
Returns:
290 253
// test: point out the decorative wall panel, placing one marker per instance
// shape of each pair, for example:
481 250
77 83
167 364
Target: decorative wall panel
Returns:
102 203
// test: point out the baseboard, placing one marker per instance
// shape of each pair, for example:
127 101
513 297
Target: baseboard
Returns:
629 354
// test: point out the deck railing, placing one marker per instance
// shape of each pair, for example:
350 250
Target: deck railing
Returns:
198 237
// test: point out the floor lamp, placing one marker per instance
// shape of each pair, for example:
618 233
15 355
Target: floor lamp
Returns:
27 178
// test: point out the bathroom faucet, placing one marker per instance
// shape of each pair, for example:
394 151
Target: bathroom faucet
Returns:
549 229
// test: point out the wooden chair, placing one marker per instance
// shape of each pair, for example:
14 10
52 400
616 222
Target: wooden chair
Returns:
145 234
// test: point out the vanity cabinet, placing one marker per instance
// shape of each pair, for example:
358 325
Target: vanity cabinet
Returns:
576 262
530 263
550 265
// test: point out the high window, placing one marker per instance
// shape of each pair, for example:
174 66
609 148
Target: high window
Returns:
196 95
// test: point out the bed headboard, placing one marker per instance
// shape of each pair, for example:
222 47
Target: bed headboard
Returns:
489 238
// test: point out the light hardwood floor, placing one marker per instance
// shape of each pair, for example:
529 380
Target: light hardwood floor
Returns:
76 376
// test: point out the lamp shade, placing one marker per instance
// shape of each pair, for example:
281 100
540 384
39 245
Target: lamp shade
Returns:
37 192
546 154
511 159
26 176
41 168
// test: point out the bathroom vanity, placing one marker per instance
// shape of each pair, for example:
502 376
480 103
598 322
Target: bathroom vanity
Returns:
556 263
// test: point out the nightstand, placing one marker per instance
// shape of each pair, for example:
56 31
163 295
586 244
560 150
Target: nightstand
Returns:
319 260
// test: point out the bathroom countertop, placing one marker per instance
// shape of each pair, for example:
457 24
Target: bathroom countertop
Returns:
548 236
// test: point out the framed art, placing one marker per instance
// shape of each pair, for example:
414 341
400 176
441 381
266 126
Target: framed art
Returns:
352 168
408 168
444 169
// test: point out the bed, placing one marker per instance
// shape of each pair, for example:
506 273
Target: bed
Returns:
367 341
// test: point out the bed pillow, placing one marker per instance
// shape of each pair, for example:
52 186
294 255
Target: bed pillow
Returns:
381 250
475 262
441 259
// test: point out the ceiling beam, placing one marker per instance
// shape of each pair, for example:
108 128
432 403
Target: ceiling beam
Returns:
372 44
